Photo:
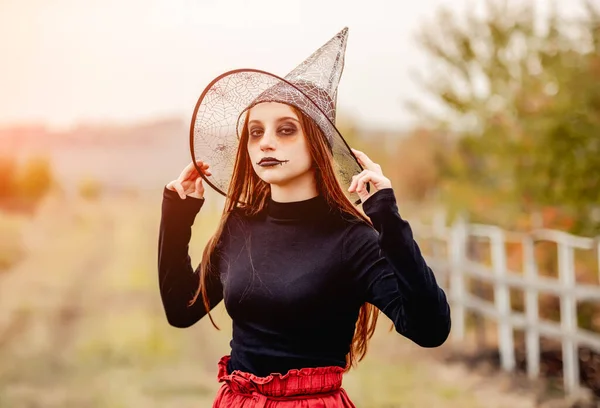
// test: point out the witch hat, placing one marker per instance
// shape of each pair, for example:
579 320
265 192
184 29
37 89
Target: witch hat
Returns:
311 86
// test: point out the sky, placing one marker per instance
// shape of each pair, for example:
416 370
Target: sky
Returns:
63 62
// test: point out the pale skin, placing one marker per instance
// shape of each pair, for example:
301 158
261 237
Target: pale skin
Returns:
275 131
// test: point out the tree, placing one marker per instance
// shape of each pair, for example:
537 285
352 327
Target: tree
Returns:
524 103
418 159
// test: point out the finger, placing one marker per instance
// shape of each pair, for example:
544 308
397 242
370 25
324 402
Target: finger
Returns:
352 184
357 155
171 185
204 167
355 180
352 187
193 172
199 186
190 171
365 160
185 172
197 189
361 189
367 178
360 185
179 188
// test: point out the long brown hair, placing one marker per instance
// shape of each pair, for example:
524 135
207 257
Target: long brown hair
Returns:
246 187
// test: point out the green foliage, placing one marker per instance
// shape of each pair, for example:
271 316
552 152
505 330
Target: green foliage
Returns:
525 104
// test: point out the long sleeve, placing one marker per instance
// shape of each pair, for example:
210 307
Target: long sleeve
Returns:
392 274
178 281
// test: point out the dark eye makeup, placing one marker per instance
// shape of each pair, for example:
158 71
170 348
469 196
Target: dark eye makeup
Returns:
287 130
284 130
256 132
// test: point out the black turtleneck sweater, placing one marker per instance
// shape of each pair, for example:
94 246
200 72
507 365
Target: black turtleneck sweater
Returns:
294 277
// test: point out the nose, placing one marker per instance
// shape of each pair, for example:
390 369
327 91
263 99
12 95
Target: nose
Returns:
267 141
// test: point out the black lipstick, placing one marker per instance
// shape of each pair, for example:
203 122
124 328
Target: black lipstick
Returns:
270 162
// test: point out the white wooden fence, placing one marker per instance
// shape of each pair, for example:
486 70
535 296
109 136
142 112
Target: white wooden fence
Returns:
450 254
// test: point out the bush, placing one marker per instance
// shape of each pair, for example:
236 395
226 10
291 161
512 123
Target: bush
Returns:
35 179
90 189
24 184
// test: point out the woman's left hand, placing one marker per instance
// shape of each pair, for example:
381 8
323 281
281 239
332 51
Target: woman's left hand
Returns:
371 174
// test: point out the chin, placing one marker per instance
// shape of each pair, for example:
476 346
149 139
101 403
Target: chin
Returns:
273 176
272 179
280 176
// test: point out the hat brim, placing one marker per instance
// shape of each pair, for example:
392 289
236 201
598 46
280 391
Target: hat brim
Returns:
221 107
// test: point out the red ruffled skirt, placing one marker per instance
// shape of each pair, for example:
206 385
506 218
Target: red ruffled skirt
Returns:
305 388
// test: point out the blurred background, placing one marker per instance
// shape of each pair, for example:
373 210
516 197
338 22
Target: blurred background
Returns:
484 109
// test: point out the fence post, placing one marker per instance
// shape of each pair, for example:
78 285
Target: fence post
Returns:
502 301
568 317
457 250
440 238
598 255
474 255
532 336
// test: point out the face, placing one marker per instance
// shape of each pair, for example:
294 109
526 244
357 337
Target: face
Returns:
277 145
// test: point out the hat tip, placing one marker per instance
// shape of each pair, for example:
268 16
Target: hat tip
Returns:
343 34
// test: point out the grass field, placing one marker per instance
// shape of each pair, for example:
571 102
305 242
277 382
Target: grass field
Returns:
81 325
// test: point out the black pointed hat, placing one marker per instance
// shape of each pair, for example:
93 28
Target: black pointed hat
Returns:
311 87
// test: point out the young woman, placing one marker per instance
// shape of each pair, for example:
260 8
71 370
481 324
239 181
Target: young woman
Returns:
303 273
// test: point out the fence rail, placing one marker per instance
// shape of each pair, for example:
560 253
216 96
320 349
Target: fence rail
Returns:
451 255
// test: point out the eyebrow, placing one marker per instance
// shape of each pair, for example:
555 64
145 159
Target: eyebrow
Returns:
278 120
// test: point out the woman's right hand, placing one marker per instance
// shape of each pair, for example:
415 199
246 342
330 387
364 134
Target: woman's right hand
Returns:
189 182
